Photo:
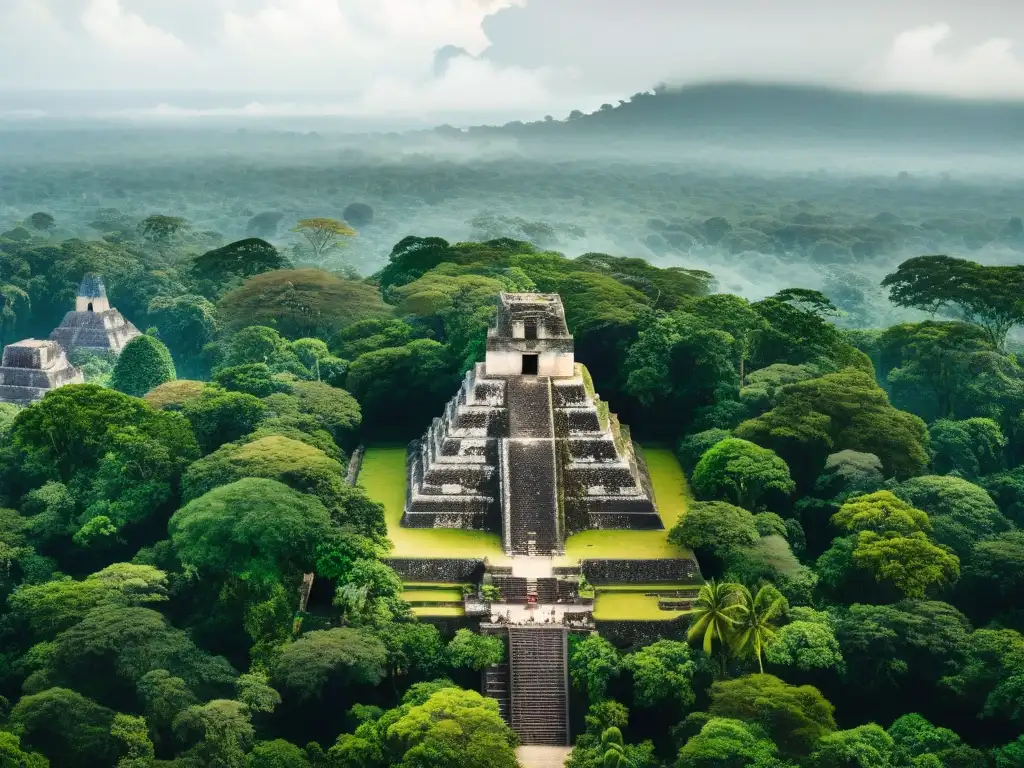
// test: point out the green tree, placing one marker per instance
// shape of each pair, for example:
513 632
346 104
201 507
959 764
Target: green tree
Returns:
985 296
913 736
906 646
113 644
728 742
219 417
276 754
458 307
714 616
806 644
143 364
403 386
186 324
755 623
13 756
715 526
41 222
257 530
240 259
932 368
57 605
475 651
961 513
163 697
845 410
339 657
849 473
994 574
323 235
795 717
911 563
71 428
300 303
680 364
867 746
136 746
735 316
160 229
218 733
692 447
663 674
593 663
744 472
971 447
66 727
452 729
367 335
881 512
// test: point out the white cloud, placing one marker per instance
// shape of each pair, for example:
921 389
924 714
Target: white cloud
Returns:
920 59
117 30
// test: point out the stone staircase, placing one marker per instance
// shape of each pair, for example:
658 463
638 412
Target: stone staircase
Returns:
495 685
537 659
533 498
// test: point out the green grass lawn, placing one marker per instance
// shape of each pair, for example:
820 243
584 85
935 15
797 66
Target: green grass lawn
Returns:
432 595
629 606
670 494
438 611
383 477
642 588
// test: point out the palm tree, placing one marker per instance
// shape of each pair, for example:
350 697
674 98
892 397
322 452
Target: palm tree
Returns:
614 749
755 628
715 613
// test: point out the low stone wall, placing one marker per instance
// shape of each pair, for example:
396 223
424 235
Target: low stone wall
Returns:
630 634
448 570
641 571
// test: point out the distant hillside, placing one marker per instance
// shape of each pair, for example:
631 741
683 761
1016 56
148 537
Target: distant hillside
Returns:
736 110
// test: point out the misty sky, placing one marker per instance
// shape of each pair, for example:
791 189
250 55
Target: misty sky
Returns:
513 57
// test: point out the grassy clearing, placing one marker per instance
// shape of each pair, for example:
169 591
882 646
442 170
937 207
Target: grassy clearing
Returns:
431 585
641 588
438 611
432 595
630 606
383 477
670 494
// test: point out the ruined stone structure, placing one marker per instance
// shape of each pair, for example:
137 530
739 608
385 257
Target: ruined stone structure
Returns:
526 448
94 325
31 368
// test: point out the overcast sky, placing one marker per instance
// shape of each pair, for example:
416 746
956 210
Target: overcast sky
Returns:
523 57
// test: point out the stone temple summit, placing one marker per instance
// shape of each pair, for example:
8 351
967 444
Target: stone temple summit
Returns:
32 367
525 448
529 513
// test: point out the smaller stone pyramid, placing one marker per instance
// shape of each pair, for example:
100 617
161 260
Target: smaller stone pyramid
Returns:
94 325
31 368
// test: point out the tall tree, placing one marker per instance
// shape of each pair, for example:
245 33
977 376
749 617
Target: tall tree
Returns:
323 235
986 296
755 624
714 616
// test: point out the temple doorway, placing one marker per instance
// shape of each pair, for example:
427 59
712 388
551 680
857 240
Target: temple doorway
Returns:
530 365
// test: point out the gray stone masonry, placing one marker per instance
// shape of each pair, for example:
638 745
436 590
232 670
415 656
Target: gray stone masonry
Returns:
31 368
93 325
534 456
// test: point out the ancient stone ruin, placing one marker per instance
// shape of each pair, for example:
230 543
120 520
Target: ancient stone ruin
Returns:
526 447
31 368
94 326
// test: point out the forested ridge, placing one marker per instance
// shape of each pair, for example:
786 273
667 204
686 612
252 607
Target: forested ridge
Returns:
858 506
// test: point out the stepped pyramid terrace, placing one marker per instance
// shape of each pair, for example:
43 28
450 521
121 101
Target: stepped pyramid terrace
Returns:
526 510
31 368
93 325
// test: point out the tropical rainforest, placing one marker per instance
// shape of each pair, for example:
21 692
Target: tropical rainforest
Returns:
833 356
